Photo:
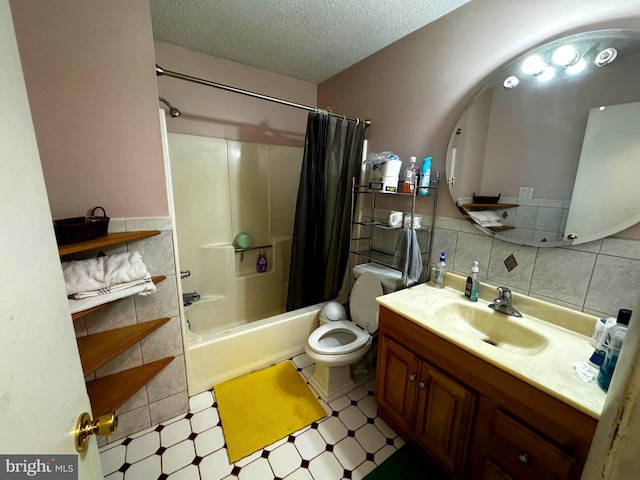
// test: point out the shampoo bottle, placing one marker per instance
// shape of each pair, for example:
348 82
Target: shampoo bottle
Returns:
425 176
410 177
440 272
261 262
473 284
612 346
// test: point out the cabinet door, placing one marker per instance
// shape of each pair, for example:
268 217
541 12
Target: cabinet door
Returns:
444 416
398 371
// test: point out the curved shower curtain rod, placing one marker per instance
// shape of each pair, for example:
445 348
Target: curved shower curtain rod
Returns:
162 72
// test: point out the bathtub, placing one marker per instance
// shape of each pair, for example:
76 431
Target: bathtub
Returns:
214 356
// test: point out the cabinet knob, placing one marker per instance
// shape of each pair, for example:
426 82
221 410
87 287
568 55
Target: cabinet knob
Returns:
412 377
524 458
422 384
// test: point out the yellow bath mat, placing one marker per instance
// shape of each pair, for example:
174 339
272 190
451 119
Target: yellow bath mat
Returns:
264 406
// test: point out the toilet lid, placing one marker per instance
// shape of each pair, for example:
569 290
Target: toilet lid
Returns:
362 304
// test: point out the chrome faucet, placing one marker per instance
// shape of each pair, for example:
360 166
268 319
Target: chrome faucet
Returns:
189 298
502 304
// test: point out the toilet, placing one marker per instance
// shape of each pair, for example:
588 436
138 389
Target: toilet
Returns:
339 344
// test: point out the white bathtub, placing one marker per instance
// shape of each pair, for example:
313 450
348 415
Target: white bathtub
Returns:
216 356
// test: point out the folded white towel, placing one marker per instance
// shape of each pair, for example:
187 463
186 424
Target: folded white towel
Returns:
484 216
115 288
104 273
90 302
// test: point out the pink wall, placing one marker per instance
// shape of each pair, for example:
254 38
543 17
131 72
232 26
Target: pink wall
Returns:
89 71
217 113
415 89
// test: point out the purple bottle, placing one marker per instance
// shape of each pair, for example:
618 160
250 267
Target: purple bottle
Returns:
261 262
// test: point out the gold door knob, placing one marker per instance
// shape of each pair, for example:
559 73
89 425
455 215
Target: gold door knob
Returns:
85 427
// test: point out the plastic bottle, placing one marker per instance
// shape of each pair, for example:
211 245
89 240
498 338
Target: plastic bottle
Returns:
473 284
410 175
440 272
425 176
597 340
612 345
261 262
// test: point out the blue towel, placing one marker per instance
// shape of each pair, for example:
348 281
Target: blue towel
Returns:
407 256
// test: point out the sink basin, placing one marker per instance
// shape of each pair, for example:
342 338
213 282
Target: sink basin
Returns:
493 328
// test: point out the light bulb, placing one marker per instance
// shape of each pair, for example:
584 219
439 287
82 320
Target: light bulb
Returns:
511 82
565 56
577 68
606 56
533 65
547 74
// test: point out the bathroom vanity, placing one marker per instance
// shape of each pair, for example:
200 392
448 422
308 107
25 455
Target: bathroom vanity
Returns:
487 395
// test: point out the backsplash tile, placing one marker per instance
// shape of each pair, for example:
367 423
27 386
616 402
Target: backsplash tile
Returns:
563 274
598 277
519 278
615 284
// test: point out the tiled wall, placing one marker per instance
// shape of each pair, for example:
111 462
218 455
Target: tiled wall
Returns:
165 396
597 278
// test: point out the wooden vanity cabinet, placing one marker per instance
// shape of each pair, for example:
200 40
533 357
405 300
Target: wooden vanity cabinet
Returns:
476 420
424 401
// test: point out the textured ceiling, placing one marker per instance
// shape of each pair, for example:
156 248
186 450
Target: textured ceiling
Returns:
310 40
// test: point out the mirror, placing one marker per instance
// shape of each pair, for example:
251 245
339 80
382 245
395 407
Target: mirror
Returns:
547 153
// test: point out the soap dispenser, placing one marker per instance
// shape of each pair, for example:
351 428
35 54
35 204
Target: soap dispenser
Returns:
440 272
472 288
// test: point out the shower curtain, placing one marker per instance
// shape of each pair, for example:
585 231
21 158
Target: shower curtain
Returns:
320 249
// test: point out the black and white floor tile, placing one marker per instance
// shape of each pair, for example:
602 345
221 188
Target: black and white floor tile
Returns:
346 444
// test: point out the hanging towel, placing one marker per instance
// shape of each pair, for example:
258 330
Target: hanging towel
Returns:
407 257
90 302
106 274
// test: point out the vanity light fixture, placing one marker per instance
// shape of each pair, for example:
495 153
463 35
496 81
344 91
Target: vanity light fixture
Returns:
577 67
606 56
511 82
566 56
533 65
547 74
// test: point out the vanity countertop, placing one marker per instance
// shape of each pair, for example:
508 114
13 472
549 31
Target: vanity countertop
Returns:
551 369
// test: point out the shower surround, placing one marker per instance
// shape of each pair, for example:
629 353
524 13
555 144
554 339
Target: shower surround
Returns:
221 188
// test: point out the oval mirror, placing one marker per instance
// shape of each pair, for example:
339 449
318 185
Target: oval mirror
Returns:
547 153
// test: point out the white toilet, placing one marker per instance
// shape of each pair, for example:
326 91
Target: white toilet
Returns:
338 343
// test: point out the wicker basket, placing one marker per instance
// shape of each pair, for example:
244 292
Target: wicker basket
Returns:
81 229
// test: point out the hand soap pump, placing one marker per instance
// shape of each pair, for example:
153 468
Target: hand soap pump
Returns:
473 284
440 272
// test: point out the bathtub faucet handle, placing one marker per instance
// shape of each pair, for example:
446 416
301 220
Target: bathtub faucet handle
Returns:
185 274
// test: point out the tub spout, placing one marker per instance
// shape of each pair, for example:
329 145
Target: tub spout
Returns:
189 298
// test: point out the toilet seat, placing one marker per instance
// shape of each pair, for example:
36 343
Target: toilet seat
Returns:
337 338
363 308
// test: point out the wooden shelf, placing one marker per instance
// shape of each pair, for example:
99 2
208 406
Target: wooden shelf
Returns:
109 239
109 393
489 205
98 349
82 313
500 229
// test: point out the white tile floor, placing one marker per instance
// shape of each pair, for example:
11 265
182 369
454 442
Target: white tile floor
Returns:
346 444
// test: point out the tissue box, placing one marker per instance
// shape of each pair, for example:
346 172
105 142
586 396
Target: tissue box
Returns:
417 221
